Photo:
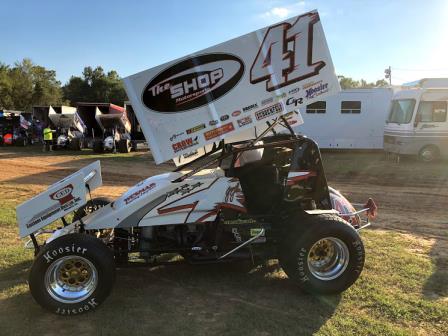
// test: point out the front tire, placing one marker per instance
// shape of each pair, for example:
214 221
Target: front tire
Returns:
323 254
72 275
429 153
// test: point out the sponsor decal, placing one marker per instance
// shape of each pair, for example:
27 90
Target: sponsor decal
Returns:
182 86
187 155
139 193
175 136
267 101
280 96
63 195
184 144
269 111
91 304
216 132
240 221
51 255
244 121
250 107
195 129
294 101
66 202
183 189
236 113
213 122
294 91
224 117
315 90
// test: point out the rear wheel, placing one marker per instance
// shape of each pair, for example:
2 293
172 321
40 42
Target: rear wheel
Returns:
98 146
76 144
323 254
124 146
91 206
73 274
429 153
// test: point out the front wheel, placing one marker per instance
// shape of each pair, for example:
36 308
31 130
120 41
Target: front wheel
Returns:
73 274
323 254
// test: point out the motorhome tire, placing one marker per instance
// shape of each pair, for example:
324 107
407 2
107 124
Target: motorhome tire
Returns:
429 153
323 255
72 275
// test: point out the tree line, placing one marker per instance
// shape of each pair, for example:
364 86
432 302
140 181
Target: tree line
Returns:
25 84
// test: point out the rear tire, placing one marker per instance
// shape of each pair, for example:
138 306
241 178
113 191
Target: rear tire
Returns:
124 146
98 146
91 206
429 153
21 142
323 254
76 144
72 275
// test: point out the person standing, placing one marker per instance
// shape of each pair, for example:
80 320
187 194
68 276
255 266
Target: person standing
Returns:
48 139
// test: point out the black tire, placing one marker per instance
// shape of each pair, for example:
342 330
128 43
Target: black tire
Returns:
72 249
91 206
98 146
298 250
429 153
133 146
124 146
20 141
76 144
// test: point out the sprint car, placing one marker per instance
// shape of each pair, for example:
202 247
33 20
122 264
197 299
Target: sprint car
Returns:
256 199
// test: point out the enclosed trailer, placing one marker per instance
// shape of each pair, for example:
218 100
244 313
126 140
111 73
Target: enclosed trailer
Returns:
350 119
417 122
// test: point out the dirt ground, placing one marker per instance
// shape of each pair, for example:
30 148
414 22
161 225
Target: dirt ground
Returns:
412 198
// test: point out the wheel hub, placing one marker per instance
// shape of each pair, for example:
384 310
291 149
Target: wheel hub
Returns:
328 258
71 279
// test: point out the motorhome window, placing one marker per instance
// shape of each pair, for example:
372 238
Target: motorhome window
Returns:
434 111
317 107
350 106
401 111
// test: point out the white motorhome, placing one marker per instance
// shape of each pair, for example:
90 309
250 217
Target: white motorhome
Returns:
350 119
417 122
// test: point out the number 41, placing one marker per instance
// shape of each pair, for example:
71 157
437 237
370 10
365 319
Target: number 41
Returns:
277 63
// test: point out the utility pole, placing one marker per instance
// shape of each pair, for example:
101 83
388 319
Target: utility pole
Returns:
388 74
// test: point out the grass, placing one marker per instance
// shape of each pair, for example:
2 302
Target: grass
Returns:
402 290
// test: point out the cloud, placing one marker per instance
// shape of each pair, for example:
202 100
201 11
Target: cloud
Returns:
277 12
282 12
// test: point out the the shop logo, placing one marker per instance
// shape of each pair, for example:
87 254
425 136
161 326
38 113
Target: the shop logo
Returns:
193 82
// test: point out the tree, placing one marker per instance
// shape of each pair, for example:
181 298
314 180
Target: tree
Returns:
95 86
349 83
26 84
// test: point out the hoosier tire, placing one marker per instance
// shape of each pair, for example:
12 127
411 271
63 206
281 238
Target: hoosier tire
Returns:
91 206
124 146
98 146
323 254
72 275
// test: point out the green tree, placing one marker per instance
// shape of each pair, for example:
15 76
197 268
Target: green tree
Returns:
95 86
350 83
26 84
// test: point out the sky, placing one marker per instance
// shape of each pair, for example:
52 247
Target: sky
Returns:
364 37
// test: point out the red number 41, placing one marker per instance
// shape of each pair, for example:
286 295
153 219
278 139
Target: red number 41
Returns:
286 54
